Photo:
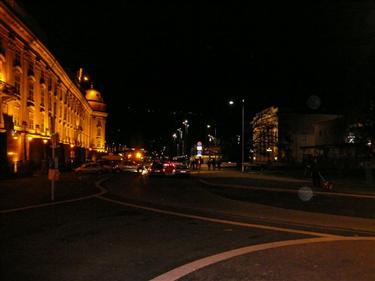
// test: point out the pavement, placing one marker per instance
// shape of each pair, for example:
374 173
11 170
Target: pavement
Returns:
317 258
350 186
33 190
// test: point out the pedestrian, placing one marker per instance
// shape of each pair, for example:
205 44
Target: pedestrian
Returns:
209 163
315 173
219 163
200 162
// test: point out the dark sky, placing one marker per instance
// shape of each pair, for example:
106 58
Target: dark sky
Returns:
194 55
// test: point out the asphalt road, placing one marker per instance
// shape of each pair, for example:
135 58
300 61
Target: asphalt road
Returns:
145 227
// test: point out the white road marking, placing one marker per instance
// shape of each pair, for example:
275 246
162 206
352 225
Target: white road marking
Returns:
286 190
186 269
97 184
221 221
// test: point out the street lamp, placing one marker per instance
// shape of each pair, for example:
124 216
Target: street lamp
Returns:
231 102
174 136
185 142
179 130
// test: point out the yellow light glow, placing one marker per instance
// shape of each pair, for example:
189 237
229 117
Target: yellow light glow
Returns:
45 141
30 138
11 153
138 155
85 78
72 145
15 138
129 155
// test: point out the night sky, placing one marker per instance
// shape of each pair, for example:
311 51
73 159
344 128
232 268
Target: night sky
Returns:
193 56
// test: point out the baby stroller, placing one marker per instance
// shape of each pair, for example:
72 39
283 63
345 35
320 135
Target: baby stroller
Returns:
326 184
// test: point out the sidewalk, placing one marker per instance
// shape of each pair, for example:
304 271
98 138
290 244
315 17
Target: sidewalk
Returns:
269 180
26 191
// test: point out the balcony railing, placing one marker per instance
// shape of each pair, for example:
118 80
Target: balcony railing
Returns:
8 90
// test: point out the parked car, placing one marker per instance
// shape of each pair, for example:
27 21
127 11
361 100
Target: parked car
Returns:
128 166
108 165
90 168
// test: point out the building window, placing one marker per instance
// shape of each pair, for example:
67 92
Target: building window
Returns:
2 49
17 82
42 123
31 120
17 59
30 95
42 96
30 70
49 102
49 84
16 116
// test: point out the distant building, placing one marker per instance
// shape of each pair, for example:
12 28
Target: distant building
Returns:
279 135
38 100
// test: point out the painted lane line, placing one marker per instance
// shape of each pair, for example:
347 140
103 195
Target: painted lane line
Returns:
97 185
285 190
221 221
186 269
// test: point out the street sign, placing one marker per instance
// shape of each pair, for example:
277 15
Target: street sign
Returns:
53 174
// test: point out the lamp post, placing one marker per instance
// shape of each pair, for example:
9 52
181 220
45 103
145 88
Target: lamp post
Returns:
179 130
185 142
174 136
231 102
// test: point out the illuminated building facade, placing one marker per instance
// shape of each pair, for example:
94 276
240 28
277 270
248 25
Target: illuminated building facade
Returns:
38 100
279 135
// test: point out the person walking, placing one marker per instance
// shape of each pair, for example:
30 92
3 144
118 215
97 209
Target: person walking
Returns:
209 163
315 173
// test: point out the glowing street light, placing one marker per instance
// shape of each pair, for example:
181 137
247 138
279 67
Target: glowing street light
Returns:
184 140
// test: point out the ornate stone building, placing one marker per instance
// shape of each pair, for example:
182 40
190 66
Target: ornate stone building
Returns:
38 100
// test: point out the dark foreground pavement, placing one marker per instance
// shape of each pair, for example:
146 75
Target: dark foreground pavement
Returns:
98 240
34 190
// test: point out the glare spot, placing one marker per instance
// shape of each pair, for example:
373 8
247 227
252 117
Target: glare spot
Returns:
305 193
314 102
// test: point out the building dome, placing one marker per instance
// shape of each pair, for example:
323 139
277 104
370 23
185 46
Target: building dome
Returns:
93 95
95 99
